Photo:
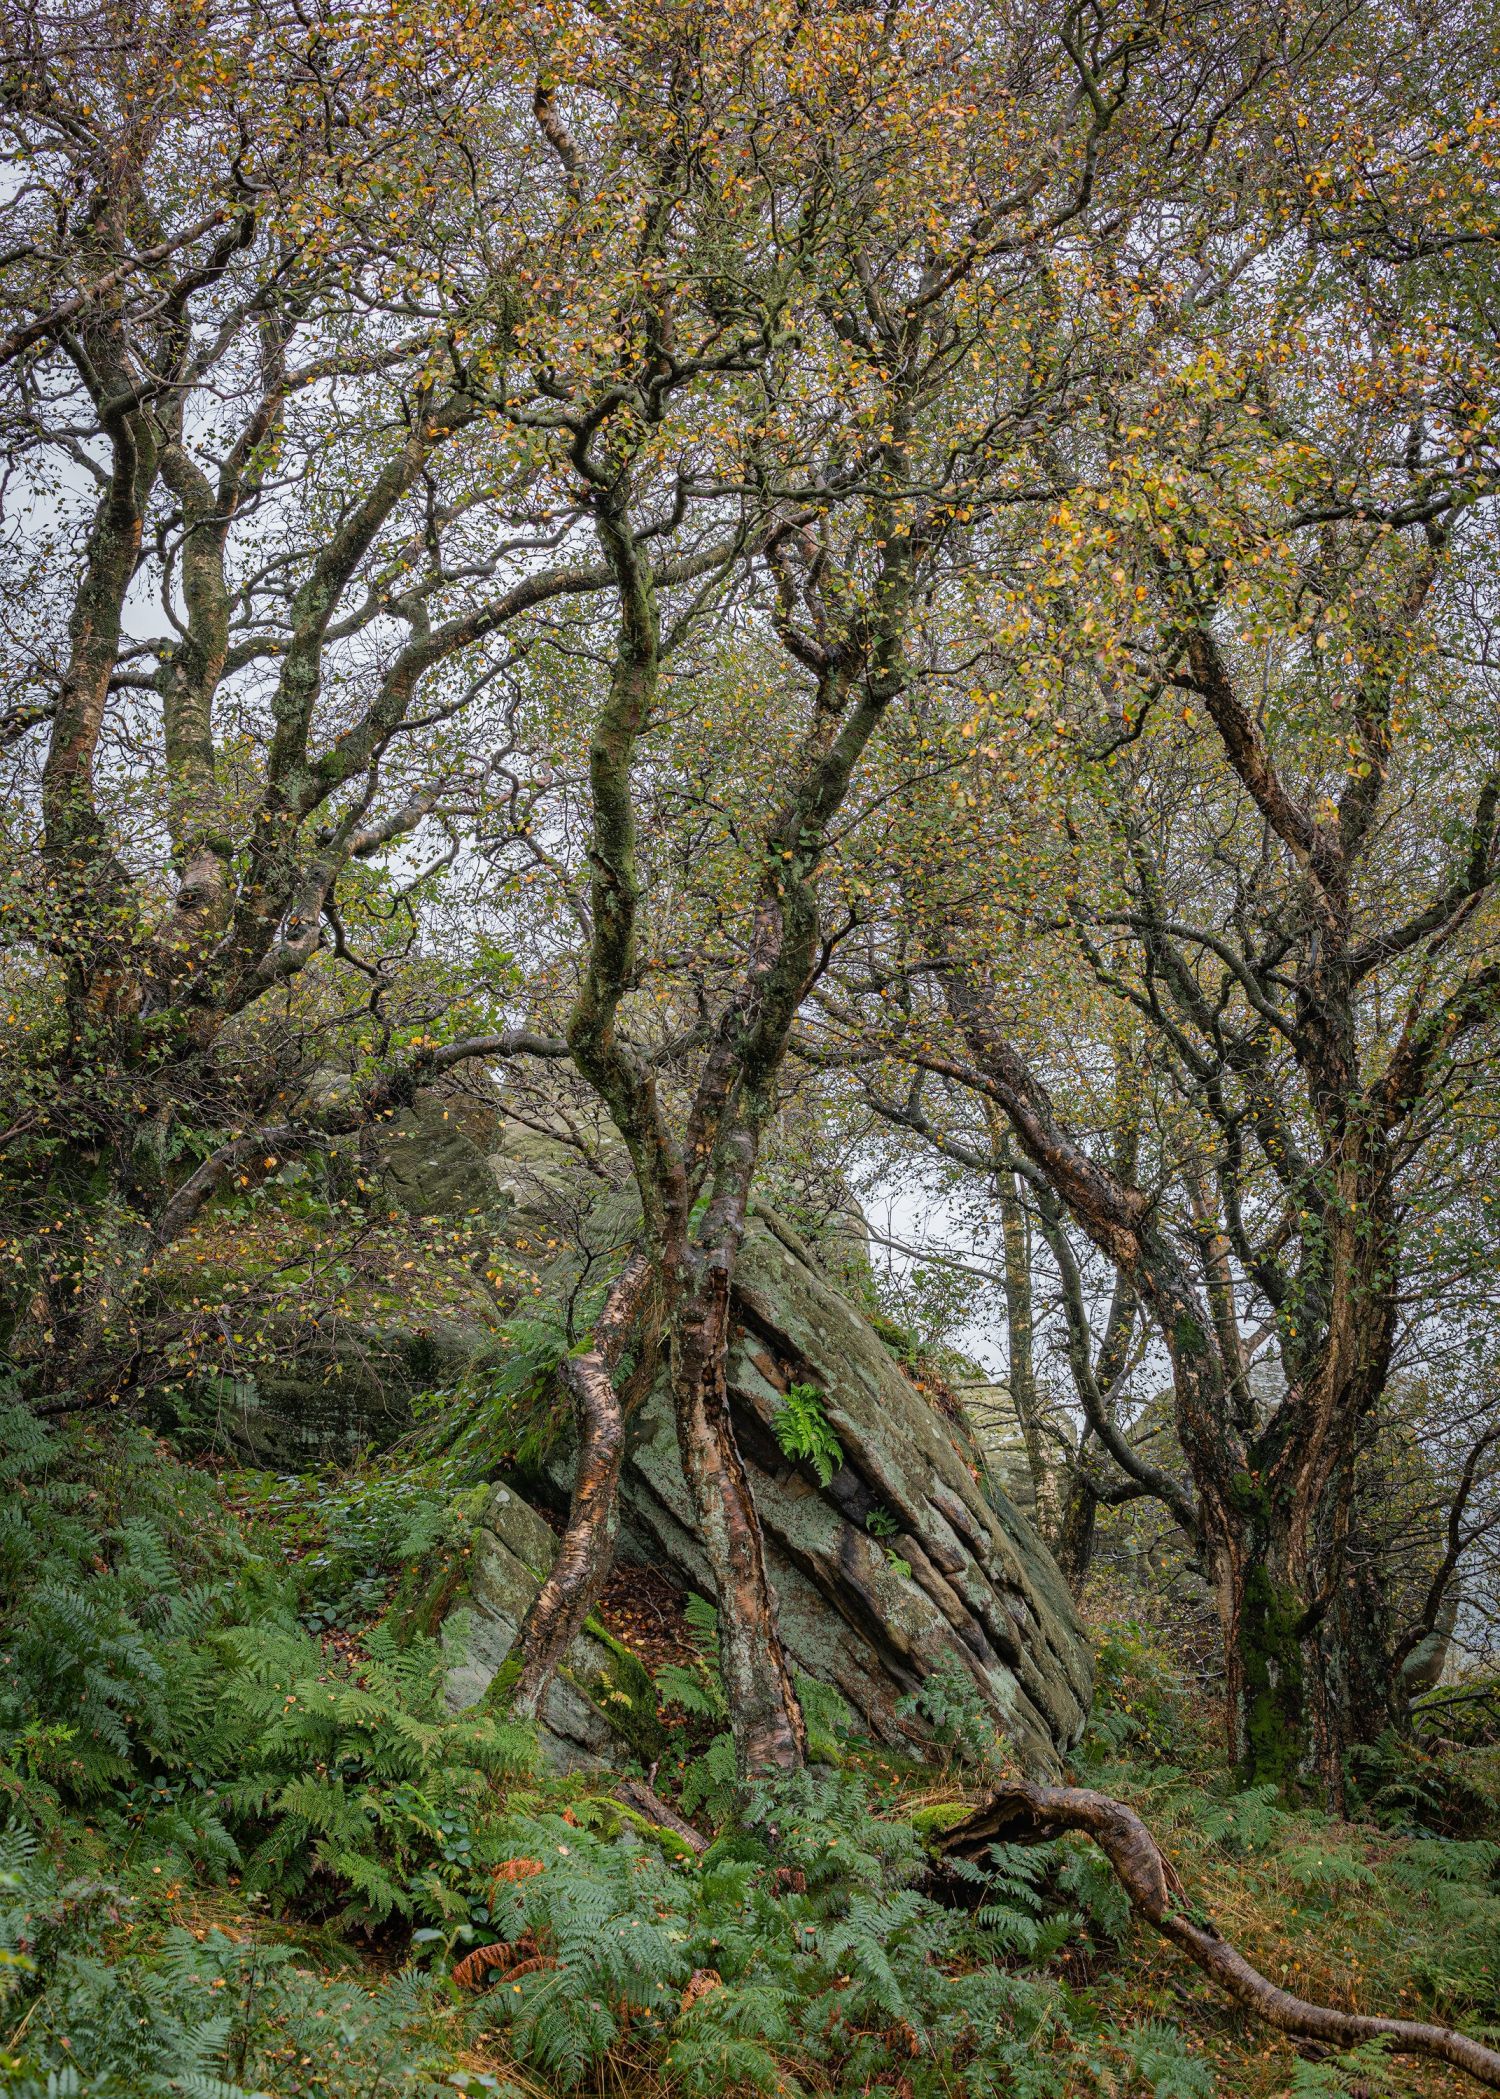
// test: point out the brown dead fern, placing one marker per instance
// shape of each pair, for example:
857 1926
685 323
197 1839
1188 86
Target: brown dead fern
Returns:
475 1969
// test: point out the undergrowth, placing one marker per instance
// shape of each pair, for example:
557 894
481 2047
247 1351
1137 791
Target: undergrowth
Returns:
245 1848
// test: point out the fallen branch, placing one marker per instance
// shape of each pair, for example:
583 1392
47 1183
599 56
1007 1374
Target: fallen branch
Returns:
635 1794
1021 1813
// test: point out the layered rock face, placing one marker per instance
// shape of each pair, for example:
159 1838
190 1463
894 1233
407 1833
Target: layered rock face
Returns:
910 1562
901 1568
950 1578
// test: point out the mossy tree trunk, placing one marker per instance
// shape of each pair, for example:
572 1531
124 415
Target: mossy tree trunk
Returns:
1308 1650
1307 1665
694 1169
1266 1504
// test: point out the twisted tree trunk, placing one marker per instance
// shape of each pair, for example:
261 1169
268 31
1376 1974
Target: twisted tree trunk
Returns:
770 1734
584 1557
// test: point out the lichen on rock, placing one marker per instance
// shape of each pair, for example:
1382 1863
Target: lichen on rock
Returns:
904 1565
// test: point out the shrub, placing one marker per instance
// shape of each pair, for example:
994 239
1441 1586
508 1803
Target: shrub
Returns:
1140 1705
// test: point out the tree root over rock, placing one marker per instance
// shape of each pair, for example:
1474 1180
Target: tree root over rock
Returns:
1021 1813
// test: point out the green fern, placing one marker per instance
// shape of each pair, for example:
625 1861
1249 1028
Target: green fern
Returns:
1361 2073
830 1723
802 1428
709 1783
1247 1822
173 2016
360 1787
106 1683
1159 2059
950 1706
698 1687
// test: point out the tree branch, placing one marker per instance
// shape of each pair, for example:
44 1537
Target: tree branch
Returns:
1021 1813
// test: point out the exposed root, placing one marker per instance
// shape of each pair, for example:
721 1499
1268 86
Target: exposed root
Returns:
1020 1813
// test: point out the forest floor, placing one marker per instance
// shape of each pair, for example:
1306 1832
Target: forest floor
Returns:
243 1849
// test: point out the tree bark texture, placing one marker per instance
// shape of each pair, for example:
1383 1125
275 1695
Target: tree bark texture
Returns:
1020 1324
769 1732
582 1565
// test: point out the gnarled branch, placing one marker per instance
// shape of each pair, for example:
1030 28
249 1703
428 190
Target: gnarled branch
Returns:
1021 1813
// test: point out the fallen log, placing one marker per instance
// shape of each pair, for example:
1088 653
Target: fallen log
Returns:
1021 1813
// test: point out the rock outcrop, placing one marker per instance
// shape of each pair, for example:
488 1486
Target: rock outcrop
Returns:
431 1165
903 1567
910 1562
339 1388
334 1386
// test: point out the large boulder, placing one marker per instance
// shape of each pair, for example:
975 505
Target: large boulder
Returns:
911 1562
335 1388
908 1564
904 1566
431 1165
336 1385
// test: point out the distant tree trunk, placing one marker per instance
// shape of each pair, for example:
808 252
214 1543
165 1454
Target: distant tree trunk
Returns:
1218 1280
1096 1384
1020 1327
1073 1547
